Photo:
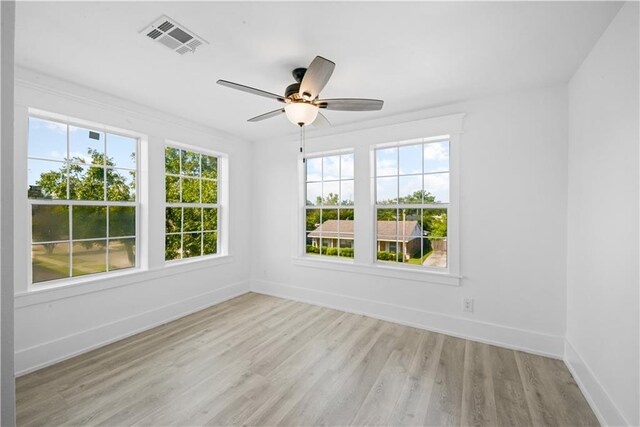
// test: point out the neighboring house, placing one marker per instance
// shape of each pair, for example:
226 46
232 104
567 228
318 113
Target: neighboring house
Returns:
405 241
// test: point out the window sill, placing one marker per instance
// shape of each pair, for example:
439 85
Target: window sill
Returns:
39 294
379 270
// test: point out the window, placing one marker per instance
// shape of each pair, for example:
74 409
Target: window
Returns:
412 202
82 194
329 209
192 210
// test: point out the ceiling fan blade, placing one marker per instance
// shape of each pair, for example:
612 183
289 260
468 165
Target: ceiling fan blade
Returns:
321 121
252 90
316 78
266 115
350 104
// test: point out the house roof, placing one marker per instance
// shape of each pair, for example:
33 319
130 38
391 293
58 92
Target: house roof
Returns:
331 228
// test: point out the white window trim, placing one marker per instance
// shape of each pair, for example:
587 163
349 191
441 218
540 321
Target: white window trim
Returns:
363 143
88 278
376 206
222 206
301 245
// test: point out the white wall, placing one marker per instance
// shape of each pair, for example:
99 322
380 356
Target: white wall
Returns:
602 265
513 155
7 381
52 324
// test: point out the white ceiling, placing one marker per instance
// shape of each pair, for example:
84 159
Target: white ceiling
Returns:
412 55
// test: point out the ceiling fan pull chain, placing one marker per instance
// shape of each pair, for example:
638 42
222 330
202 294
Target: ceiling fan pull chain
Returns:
304 145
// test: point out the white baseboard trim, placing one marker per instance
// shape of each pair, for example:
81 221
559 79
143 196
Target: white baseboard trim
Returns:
45 354
603 407
485 332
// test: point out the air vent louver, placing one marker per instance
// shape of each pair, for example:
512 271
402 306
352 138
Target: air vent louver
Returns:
173 35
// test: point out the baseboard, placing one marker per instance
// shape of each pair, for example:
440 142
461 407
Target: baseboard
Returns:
599 400
45 354
485 332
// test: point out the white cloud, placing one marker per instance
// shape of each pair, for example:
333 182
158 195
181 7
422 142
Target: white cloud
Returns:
331 167
438 151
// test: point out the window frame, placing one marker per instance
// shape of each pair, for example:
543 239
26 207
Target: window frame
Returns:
71 280
363 139
220 205
338 207
412 206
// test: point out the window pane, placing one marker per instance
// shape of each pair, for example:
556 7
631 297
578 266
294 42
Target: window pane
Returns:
192 245
346 166
86 182
387 190
172 189
387 224
313 219
210 219
436 156
346 225
89 222
209 191
49 261
173 220
410 159
346 192
49 223
47 180
330 167
171 160
411 189
47 139
329 214
121 185
314 169
410 235
314 193
436 187
209 167
86 145
330 193
121 151
172 245
435 222
210 243
435 250
190 163
122 221
190 190
122 254
89 257
192 219
435 243
387 162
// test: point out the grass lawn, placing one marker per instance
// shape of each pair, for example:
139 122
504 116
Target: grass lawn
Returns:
419 261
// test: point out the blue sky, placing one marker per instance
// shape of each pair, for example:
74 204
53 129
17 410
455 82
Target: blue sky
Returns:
397 168
48 140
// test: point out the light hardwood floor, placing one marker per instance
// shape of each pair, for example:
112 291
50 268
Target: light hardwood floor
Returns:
259 360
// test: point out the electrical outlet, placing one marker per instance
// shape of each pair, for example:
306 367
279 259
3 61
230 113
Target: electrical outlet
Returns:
467 305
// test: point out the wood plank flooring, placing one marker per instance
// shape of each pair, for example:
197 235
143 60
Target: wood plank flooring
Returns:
260 360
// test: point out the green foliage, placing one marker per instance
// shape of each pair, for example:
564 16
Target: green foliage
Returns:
86 182
343 252
388 256
346 252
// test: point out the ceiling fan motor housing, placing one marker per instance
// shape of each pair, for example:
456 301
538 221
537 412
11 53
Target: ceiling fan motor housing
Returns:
292 89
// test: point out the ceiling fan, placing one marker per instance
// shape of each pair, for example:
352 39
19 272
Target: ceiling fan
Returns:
301 99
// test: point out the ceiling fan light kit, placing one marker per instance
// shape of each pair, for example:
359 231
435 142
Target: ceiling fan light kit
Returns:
301 113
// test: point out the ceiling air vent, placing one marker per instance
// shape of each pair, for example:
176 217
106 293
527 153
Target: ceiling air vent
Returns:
173 35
